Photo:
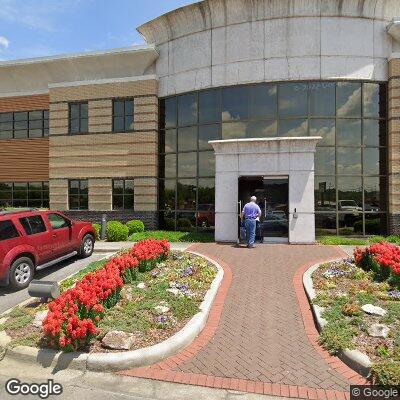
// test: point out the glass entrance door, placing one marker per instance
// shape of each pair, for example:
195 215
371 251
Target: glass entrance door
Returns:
273 198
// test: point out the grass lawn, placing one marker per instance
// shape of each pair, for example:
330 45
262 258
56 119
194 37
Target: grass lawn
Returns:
352 241
174 236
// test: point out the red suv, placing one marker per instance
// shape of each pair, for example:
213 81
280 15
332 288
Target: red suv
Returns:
32 240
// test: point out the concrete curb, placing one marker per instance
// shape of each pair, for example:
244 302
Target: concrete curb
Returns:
130 359
355 359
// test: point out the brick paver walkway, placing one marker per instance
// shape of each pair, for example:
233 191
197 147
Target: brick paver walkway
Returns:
261 335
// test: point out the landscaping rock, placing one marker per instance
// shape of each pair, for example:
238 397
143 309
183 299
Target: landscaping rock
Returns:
39 317
174 291
378 330
3 320
118 340
141 285
126 293
373 310
162 308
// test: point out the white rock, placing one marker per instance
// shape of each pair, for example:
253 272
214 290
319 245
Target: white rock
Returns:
3 320
161 309
126 293
141 285
39 317
118 340
378 330
374 310
174 291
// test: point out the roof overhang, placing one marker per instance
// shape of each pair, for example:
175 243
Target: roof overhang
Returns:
393 29
33 76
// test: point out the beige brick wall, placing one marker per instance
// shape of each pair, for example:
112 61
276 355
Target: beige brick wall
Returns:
58 194
394 136
101 154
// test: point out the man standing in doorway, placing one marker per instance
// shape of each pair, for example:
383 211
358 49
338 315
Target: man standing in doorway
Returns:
251 211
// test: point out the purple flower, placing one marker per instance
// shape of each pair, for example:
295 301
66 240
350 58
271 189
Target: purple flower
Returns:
334 273
162 319
394 294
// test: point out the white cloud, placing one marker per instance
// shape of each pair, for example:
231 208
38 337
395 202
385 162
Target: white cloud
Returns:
4 42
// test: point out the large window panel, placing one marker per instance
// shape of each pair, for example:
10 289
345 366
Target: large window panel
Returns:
348 132
262 129
348 99
374 194
187 109
209 106
235 103
374 132
373 100
234 130
170 141
170 112
371 161
322 99
348 160
324 128
186 194
293 100
187 165
170 166
293 127
325 161
325 193
207 133
187 139
325 224
206 163
263 104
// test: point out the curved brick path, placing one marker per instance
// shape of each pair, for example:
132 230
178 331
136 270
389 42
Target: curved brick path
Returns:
260 337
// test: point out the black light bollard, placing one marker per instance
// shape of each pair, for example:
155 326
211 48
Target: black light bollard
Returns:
103 226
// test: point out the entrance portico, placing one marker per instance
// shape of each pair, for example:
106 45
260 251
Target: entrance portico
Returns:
283 157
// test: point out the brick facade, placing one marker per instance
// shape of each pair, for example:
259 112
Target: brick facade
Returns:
394 146
100 154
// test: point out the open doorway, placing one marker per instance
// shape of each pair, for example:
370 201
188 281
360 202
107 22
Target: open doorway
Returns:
273 198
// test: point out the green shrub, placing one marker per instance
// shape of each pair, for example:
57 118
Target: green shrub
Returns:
337 335
183 223
135 226
169 224
385 373
393 239
97 228
117 232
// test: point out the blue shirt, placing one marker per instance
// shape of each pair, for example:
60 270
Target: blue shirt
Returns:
251 210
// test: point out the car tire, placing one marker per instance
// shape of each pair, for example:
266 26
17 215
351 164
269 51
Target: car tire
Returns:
87 246
21 273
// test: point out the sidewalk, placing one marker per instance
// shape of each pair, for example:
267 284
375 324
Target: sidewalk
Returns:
112 247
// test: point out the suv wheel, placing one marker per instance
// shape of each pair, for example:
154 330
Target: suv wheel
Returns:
21 273
87 246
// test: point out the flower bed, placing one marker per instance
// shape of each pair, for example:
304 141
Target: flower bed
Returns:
146 293
361 301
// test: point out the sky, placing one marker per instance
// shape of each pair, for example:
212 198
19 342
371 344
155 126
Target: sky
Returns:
37 28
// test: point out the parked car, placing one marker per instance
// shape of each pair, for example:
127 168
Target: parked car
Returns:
32 240
206 215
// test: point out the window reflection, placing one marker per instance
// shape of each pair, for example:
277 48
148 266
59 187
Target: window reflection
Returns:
234 130
263 101
348 99
260 129
325 193
325 224
373 197
206 163
207 133
293 127
348 161
325 160
170 141
209 106
235 103
187 138
324 128
293 100
170 112
187 109
374 132
187 164
371 161
371 99
348 132
170 166
186 193
322 99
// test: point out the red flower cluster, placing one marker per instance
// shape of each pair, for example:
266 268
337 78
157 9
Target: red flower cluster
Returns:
385 254
72 318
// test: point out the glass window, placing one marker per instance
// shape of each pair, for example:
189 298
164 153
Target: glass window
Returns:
209 106
263 103
7 230
348 99
186 194
375 224
187 139
348 132
235 103
349 193
374 196
187 109
325 193
324 128
187 165
293 100
206 194
373 99
78 194
371 161
207 133
167 220
20 191
325 160
374 132
167 194
170 112
33 225
123 194
186 221
206 163
170 141
348 161
234 130
78 117
293 127
325 224
57 221
322 99
170 166
261 129
123 115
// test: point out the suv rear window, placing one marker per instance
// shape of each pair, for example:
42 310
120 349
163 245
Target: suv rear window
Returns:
7 230
33 225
